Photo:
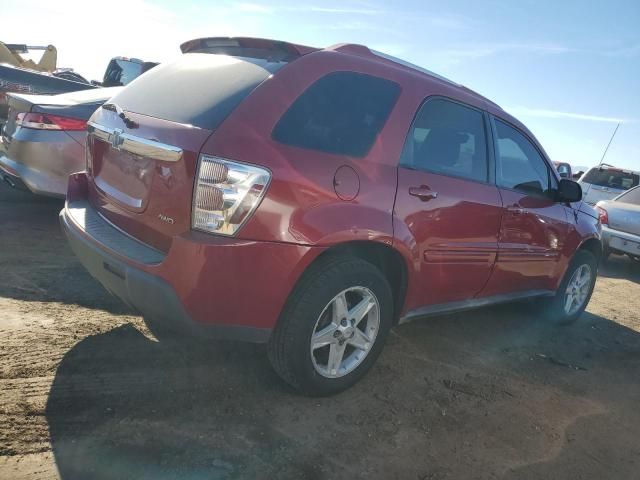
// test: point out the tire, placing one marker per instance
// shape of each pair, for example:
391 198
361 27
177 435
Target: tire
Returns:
553 308
312 308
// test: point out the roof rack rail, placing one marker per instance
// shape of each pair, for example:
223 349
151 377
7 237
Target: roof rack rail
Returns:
358 49
413 66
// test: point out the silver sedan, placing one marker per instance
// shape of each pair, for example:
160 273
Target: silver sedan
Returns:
620 220
43 140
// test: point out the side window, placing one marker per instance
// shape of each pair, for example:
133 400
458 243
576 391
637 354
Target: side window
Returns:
342 113
449 139
519 165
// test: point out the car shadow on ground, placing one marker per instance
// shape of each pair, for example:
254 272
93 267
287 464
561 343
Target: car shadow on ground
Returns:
495 393
36 262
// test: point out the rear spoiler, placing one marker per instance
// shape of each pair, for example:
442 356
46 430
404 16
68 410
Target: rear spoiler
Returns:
247 47
607 166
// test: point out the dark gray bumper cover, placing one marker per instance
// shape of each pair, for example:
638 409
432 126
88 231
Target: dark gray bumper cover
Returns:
150 295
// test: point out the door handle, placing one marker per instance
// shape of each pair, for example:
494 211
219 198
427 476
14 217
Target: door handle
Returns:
515 210
423 193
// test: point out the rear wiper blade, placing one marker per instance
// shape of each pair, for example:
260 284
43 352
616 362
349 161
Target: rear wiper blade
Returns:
116 108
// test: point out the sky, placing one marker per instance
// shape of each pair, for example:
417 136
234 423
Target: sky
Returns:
570 70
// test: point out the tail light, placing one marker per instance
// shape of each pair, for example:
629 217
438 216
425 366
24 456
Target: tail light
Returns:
603 215
226 194
44 121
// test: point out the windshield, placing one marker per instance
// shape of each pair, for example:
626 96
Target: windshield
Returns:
611 178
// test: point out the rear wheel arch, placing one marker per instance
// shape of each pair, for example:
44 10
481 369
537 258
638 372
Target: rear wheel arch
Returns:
381 255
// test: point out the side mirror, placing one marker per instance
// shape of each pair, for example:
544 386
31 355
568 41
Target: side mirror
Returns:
96 83
569 191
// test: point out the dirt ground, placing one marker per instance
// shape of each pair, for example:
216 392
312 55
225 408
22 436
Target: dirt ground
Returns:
86 392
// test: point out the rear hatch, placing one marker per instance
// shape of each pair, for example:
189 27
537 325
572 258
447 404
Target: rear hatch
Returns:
143 145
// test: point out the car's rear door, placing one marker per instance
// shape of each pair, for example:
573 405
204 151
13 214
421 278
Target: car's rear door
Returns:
448 202
534 226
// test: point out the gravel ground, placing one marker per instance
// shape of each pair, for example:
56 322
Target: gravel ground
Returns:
87 392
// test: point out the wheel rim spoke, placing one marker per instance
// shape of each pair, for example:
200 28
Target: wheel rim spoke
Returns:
568 303
360 340
358 312
324 337
340 309
336 354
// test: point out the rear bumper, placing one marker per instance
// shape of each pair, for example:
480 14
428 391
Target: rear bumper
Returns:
42 159
25 178
213 286
621 241
12 180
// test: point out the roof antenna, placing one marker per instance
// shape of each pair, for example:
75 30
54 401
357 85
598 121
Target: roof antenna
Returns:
602 159
608 145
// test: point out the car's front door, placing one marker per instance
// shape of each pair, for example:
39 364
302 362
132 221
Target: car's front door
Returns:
447 204
534 226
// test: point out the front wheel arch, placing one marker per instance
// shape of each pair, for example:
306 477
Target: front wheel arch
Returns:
593 245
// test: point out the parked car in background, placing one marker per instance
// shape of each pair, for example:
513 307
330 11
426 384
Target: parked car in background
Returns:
20 80
606 182
577 171
312 198
120 71
564 169
620 220
44 139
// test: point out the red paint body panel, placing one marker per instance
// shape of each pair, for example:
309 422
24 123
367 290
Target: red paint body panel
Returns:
216 278
456 236
532 244
460 245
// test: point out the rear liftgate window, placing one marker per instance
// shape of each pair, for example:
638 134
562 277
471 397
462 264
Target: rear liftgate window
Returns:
611 178
198 89
342 113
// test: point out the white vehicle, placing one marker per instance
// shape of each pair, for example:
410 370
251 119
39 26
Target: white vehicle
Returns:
606 182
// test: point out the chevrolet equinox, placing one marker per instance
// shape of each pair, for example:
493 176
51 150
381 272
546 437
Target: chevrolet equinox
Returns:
311 199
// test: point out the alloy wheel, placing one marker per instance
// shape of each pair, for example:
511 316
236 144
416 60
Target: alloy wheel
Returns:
345 332
577 289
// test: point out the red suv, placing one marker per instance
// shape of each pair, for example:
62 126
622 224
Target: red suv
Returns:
313 198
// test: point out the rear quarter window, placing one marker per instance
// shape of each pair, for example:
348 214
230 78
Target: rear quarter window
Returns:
341 113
